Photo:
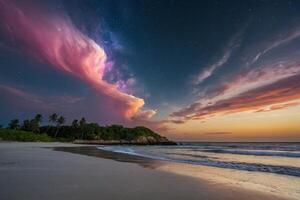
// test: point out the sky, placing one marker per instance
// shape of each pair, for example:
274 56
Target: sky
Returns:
190 70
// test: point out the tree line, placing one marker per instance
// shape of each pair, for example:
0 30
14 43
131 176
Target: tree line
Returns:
33 125
80 129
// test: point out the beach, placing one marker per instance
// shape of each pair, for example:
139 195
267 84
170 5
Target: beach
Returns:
36 171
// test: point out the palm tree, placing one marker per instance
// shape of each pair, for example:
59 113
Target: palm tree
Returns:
74 127
35 123
82 123
53 118
14 124
38 118
60 121
26 126
75 123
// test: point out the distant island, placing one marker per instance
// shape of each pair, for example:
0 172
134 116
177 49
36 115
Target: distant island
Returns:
80 131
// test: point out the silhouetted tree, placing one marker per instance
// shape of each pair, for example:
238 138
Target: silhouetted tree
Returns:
34 126
87 131
82 122
38 118
26 125
75 129
14 124
75 123
53 118
60 121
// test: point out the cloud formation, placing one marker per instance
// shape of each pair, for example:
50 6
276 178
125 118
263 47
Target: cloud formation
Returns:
217 133
25 98
233 92
279 106
267 86
274 96
21 94
55 40
279 41
209 70
246 80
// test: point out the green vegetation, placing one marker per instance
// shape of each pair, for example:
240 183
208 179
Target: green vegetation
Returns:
23 136
30 130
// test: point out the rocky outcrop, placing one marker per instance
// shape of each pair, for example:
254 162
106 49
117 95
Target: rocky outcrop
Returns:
136 136
152 140
141 140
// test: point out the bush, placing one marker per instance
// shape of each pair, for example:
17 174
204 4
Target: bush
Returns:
24 136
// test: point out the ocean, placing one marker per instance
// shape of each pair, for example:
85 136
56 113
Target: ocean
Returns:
268 167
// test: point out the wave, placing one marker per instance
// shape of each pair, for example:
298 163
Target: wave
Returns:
166 154
255 153
248 146
130 151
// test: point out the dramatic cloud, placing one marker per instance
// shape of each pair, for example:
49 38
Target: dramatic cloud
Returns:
250 79
271 96
269 85
55 40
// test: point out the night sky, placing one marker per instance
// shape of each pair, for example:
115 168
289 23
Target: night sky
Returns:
191 70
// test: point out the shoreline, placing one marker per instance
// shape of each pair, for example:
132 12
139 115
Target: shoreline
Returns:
123 142
213 175
36 171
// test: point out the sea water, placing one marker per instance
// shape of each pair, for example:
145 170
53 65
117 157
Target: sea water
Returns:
267 167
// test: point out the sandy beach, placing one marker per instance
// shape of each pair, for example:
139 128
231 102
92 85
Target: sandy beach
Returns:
31 171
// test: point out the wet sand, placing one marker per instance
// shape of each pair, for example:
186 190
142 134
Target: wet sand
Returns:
30 171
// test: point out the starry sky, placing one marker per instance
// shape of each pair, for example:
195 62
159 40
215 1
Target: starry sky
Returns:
190 70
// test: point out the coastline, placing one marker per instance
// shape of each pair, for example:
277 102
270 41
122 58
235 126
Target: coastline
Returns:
31 171
124 142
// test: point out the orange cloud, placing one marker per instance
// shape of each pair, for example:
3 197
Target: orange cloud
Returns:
279 107
277 95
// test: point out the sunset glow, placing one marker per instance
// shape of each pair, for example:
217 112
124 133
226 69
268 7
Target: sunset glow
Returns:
246 87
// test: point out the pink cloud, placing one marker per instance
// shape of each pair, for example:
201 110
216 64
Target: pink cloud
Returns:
55 40
229 94
278 95
25 98
144 115
278 107
247 80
